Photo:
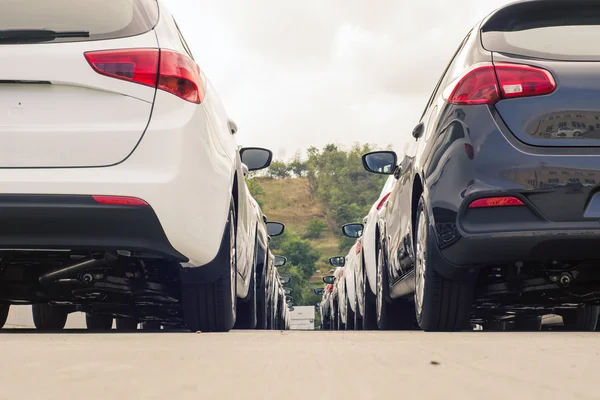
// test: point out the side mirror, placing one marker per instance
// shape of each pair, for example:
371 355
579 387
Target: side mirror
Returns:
353 230
329 279
380 162
256 158
233 128
285 280
338 261
289 299
280 261
287 290
245 170
275 228
319 292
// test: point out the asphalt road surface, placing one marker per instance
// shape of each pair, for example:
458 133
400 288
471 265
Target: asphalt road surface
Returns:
299 365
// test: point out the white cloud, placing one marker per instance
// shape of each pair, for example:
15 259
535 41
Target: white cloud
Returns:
296 74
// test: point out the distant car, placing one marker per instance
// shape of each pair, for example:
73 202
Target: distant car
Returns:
348 314
325 306
479 227
366 274
123 192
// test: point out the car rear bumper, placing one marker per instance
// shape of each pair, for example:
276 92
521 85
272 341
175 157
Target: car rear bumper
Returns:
80 223
556 186
179 168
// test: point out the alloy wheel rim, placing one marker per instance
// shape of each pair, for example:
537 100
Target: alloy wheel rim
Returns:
420 263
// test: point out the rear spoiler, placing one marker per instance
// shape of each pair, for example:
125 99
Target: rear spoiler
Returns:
531 14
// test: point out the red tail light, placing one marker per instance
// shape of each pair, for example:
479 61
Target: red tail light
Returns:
383 200
470 151
477 86
167 70
496 202
523 80
119 201
358 248
488 84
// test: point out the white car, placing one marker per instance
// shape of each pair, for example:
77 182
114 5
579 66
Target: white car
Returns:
366 274
122 187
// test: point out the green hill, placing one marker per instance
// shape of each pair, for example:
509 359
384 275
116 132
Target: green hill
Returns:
290 201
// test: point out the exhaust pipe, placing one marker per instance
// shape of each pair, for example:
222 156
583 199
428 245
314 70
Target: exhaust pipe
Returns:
78 268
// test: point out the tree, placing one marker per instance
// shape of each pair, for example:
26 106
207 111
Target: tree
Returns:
315 229
279 170
256 190
298 167
302 254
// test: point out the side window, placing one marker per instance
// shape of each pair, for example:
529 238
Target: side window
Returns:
444 77
185 45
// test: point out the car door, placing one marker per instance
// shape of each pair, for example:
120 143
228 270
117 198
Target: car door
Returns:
405 197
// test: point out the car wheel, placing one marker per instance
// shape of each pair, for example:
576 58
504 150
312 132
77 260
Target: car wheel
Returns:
246 309
95 322
390 314
151 326
528 323
340 325
210 305
126 324
49 318
581 319
4 309
369 319
440 304
261 302
350 315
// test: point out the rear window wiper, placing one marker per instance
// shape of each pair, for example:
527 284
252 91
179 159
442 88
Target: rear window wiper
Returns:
17 36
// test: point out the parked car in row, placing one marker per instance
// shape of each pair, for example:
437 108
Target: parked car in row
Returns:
144 217
483 221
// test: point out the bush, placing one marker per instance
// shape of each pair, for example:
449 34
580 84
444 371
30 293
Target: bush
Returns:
315 229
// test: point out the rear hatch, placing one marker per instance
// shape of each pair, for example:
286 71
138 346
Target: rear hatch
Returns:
55 109
562 38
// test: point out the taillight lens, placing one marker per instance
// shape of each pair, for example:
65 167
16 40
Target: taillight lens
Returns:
524 80
181 76
488 84
383 200
488 202
358 248
477 86
470 151
139 66
120 201
167 70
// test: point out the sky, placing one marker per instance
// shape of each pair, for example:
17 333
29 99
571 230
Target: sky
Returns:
295 74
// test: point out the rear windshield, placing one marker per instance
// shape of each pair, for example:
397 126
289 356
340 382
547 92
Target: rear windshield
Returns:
569 32
103 19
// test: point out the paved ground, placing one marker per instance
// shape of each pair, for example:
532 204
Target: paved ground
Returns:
299 365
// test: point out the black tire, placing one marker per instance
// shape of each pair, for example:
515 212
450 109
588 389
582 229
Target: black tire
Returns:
49 318
369 318
581 319
262 310
390 314
151 326
127 324
335 316
529 323
246 309
210 305
96 322
350 315
440 304
340 325
4 310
